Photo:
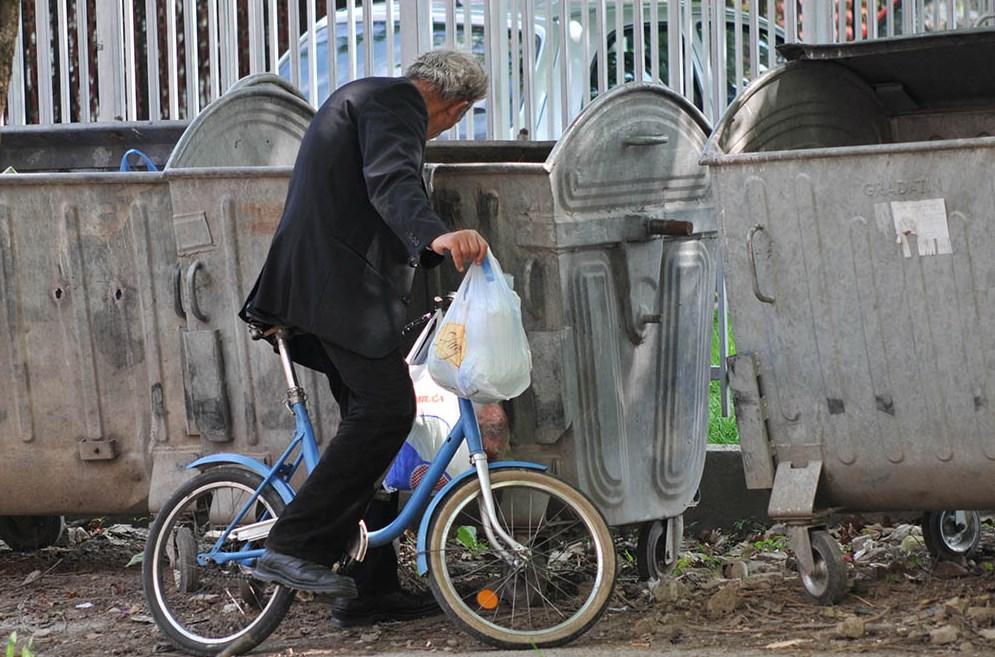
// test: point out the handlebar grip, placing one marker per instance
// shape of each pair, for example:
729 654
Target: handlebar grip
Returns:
418 323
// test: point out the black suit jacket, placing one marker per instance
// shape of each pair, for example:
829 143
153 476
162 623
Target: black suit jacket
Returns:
356 223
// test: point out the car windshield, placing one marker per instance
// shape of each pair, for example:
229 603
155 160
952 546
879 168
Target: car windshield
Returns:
627 47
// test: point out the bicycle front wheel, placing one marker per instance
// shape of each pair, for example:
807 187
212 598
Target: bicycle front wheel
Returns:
205 608
559 586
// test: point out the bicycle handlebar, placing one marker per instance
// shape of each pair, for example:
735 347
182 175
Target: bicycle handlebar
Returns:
440 304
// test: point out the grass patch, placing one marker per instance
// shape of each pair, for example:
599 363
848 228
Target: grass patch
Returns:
721 430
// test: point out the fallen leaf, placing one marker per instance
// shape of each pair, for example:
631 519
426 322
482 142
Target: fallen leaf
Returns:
949 570
33 576
851 628
723 602
943 635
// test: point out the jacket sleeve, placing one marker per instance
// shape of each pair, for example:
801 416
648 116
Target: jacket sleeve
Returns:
392 129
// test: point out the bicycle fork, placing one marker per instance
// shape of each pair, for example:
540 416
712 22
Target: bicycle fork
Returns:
511 550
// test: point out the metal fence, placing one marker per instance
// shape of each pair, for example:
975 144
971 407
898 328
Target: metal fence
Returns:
80 61
104 60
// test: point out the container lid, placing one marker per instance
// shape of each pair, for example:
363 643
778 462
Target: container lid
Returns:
933 70
270 79
633 147
832 96
256 123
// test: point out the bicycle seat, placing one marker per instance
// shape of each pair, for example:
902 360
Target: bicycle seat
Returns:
260 331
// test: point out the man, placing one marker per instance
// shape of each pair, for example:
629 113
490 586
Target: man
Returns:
356 224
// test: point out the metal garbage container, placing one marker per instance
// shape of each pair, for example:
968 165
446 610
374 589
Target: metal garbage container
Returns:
855 196
82 366
618 314
118 302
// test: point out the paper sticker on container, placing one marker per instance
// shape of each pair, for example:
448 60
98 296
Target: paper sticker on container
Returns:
925 222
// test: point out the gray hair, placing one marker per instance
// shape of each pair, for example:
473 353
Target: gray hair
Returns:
452 74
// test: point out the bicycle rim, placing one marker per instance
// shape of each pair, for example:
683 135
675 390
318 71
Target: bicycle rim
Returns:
562 583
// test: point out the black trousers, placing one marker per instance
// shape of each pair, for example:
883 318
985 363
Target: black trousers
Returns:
377 403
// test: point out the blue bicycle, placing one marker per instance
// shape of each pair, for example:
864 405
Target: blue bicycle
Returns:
514 556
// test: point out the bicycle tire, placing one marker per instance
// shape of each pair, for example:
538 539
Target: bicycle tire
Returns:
454 603
155 555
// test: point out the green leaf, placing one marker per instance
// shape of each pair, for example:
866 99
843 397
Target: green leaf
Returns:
11 640
27 652
138 558
467 536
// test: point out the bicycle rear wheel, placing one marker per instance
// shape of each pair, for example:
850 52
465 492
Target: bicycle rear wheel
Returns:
561 585
204 609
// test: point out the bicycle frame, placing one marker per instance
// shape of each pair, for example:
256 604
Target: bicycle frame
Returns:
283 470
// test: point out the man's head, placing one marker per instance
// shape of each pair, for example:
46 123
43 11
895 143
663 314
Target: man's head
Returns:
450 81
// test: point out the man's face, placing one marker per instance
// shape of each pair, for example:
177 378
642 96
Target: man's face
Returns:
446 117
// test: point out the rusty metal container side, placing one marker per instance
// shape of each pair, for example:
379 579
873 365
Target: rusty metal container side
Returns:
227 180
87 309
619 319
856 205
224 221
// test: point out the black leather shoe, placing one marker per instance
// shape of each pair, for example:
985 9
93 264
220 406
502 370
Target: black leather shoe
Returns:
304 575
394 606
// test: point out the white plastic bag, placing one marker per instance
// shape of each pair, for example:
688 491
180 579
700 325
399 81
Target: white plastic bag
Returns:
480 351
438 412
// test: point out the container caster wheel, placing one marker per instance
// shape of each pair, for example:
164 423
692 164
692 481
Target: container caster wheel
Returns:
29 533
826 582
652 560
186 568
951 535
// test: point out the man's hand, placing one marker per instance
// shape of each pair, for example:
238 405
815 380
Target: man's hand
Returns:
464 245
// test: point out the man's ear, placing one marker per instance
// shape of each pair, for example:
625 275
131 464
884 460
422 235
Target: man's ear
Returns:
456 110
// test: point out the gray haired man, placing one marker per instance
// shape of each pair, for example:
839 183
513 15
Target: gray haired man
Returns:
356 224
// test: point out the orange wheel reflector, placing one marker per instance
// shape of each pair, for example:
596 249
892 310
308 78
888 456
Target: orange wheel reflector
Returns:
487 599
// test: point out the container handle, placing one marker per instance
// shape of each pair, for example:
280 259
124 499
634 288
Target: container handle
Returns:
178 292
191 279
669 227
646 140
126 164
753 265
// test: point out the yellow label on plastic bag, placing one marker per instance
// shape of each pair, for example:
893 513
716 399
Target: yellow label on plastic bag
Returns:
450 343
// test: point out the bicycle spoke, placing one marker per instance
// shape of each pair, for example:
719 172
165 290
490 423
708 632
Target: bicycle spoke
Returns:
557 575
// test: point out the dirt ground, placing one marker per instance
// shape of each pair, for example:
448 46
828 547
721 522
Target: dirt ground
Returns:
727 592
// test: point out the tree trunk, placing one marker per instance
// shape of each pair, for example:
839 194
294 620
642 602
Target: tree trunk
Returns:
10 11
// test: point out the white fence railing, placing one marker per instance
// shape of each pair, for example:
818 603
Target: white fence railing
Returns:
151 60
